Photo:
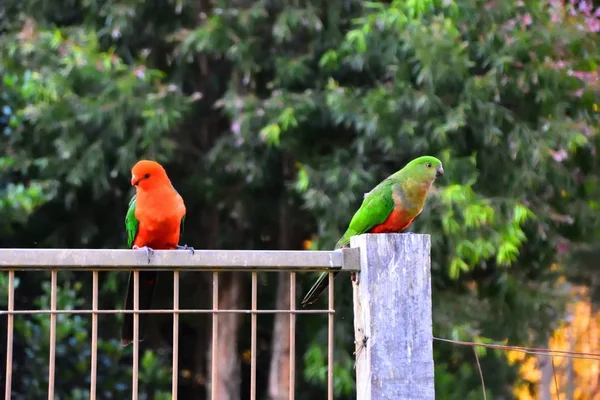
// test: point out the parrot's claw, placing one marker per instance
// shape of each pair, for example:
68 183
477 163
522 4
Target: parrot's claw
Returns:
185 247
148 250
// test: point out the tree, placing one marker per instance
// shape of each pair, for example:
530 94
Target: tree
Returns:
301 107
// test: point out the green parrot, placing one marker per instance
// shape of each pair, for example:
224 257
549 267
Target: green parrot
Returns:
389 208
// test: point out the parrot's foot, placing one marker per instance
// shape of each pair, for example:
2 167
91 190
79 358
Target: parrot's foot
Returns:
148 250
185 247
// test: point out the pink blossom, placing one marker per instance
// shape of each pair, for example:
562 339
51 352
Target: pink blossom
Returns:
562 247
235 127
558 156
140 72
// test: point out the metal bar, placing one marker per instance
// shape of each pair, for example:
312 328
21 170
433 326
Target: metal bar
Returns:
292 336
52 344
253 336
163 311
9 334
214 260
175 335
136 334
94 335
350 259
215 332
330 338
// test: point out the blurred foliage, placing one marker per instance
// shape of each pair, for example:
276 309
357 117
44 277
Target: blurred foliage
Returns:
275 117
576 378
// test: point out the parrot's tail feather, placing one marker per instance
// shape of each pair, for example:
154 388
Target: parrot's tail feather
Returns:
147 285
317 289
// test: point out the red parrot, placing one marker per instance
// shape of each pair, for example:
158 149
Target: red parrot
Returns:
154 220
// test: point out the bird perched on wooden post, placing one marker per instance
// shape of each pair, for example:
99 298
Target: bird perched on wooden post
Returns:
154 221
389 208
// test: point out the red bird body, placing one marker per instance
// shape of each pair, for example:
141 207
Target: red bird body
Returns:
154 220
159 212
397 221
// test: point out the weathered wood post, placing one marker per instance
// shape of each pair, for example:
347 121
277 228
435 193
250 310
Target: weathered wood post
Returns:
392 318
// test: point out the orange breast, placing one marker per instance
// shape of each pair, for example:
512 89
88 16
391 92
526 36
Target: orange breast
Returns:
397 221
159 213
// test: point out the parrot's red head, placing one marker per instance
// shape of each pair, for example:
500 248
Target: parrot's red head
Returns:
147 174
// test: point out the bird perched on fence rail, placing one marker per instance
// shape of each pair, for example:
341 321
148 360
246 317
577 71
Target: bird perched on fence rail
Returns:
155 220
389 208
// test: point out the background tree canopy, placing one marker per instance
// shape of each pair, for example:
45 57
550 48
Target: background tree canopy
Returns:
273 118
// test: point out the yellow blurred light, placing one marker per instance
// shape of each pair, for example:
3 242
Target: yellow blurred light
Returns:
246 354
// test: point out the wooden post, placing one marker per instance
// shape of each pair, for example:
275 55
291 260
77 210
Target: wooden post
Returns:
392 317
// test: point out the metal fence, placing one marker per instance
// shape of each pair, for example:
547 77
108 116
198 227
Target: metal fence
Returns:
56 260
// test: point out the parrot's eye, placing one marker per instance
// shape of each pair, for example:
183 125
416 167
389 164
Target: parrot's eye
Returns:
146 175
428 165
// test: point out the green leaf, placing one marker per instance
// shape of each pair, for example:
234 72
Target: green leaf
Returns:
356 38
270 134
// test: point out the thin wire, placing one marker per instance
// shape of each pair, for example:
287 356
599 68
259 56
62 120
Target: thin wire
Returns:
555 380
480 373
136 334
215 332
292 377
175 372
253 323
9 334
52 357
527 350
164 311
94 355
330 339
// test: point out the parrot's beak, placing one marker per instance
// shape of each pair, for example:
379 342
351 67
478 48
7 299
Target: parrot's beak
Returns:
134 180
439 172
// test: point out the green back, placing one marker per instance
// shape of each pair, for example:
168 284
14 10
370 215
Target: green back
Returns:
132 224
375 208
379 202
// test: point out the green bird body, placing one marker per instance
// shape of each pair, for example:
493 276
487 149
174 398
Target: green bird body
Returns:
390 207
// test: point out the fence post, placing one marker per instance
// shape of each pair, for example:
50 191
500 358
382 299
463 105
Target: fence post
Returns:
392 317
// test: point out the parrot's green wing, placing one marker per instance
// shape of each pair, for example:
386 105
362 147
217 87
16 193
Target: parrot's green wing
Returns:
131 222
374 210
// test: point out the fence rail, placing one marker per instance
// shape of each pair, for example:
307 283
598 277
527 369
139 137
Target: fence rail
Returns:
169 260
95 260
